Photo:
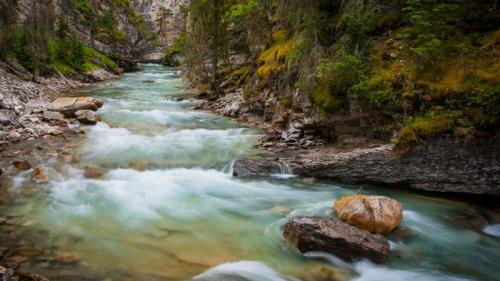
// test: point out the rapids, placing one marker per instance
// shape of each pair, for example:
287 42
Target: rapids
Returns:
168 209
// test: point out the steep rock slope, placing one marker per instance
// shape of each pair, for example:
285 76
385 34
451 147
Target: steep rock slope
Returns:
167 19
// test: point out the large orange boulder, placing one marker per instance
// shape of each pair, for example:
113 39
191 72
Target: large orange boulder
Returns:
376 214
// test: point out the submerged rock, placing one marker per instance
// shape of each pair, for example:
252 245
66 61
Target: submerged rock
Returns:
38 175
333 236
93 172
376 214
22 165
249 168
86 117
31 277
69 106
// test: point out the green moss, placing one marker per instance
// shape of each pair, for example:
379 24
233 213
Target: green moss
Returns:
241 75
64 68
94 58
416 129
287 102
280 35
328 103
84 6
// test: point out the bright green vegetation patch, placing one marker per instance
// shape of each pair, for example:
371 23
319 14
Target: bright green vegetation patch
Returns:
417 128
94 57
64 54
84 6
241 75
177 48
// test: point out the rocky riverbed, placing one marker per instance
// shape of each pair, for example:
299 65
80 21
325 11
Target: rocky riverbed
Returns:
25 106
150 189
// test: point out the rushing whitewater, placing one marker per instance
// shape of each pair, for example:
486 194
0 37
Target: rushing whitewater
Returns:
168 208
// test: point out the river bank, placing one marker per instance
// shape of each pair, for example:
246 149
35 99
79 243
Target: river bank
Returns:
445 165
25 105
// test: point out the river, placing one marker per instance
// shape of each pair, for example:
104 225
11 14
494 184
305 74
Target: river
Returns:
168 208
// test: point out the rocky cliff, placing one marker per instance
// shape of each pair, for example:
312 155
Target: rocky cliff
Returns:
167 19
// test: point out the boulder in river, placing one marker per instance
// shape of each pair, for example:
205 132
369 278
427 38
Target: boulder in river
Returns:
39 175
333 236
69 106
86 116
252 168
22 165
93 172
376 214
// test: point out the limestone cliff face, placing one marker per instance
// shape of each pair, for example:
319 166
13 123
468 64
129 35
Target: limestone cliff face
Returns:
167 19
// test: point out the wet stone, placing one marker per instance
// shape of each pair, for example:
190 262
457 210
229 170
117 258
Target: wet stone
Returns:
39 175
22 165
66 258
16 261
93 172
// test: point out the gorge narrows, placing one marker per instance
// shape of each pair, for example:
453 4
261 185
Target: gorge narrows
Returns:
167 208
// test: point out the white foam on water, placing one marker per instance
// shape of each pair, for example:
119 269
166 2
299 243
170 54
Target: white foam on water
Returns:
425 225
370 272
159 116
119 145
181 194
242 270
493 229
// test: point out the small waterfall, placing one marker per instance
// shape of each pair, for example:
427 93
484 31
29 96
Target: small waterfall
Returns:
228 169
285 171
284 168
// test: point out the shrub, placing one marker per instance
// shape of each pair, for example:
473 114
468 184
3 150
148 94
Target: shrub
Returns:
432 124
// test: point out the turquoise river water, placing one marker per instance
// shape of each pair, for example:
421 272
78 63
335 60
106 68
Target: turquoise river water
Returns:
168 208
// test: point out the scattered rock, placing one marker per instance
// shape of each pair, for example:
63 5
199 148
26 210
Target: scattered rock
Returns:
52 116
280 210
309 181
86 117
471 220
16 261
376 214
2 270
93 172
252 168
22 165
69 106
66 258
39 175
4 120
55 132
333 236
139 166
31 277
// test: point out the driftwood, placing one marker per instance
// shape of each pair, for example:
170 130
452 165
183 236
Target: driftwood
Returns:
62 76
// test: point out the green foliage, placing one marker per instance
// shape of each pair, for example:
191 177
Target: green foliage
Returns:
94 57
403 59
177 48
241 75
415 129
324 98
84 7
286 102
